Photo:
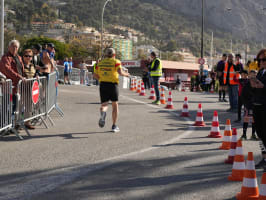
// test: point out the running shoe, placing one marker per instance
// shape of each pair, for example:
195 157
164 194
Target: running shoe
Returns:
243 137
115 129
102 119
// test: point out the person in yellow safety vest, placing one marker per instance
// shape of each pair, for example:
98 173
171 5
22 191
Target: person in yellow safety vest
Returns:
155 73
231 78
107 72
253 66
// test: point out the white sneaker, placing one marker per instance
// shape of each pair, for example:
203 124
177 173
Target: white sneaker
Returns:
115 129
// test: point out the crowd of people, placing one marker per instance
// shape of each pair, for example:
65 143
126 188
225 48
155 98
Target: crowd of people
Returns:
35 62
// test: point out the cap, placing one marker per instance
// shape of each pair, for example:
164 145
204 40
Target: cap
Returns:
50 45
109 52
37 46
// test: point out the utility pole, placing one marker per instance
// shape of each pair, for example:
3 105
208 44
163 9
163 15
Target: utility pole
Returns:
2 27
202 28
211 64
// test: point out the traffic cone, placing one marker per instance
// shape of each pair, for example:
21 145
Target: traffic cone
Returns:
152 96
249 188
215 130
162 97
142 93
227 136
212 89
132 84
170 102
263 187
135 84
232 151
199 119
239 164
185 109
139 87
183 87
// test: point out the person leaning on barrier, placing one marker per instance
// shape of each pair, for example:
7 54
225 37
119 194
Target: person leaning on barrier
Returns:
36 59
107 72
47 58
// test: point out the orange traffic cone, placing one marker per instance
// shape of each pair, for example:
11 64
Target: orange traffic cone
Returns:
232 151
162 97
239 164
185 109
199 119
170 102
135 84
132 84
142 90
152 96
183 87
227 136
263 187
139 87
215 130
249 188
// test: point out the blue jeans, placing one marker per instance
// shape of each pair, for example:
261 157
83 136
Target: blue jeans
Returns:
233 96
155 81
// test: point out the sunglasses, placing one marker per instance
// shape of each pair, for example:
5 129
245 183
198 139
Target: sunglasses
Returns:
27 56
262 60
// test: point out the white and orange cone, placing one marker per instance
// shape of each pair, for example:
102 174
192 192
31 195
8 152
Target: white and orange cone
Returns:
185 112
183 87
249 188
263 187
227 136
170 101
162 97
152 96
199 119
142 93
215 130
139 87
132 87
239 164
232 151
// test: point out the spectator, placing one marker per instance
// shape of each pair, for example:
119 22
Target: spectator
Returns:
242 82
253 65
212 75
220 76
259 104
36 59
231 78
30 72
70 64
178 83
203 82
239 65
197 81
247 98
146 80
83 70
208 81
66 71
47 58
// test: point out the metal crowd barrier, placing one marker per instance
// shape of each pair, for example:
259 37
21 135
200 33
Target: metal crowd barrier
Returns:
60 72
5 105
31 101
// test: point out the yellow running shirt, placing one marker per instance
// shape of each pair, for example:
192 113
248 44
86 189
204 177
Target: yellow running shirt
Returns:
107 70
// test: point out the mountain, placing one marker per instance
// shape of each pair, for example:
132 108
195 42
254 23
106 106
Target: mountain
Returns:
166 22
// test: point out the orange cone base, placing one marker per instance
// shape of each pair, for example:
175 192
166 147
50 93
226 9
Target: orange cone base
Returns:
132 89
142 94
225 147
184 115
152 98
215 135
241 196
199 124
163 102
236 175
230 160
169 107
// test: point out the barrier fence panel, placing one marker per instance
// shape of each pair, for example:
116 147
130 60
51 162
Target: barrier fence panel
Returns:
31 101
75 76
51 94
60 70
5 105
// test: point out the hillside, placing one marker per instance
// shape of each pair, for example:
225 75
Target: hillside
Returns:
167 23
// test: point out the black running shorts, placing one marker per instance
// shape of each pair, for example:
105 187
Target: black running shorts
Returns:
109 92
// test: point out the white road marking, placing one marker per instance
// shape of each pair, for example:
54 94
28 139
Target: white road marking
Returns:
48 182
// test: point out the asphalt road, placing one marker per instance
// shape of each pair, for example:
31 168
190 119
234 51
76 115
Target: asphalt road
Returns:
156 155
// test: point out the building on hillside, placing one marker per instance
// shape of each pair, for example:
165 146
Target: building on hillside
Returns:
39 26
93 38
145 50
187 55
125 47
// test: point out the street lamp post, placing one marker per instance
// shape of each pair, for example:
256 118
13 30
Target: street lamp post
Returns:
202 35
2 26
101 51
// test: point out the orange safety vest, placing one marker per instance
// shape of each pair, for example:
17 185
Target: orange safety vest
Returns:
233 76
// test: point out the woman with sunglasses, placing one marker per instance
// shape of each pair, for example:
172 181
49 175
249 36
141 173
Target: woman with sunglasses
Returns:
29 72
259 104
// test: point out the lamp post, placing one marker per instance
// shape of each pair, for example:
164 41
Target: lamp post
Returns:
101 51
202 36
2 26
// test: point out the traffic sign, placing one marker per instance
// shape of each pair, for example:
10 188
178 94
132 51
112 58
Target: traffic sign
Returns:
201 61
35 92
